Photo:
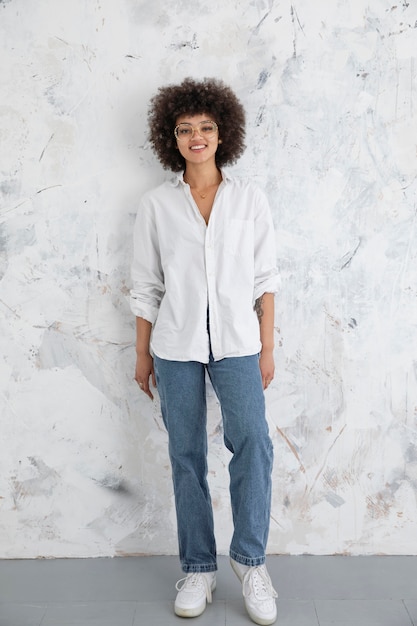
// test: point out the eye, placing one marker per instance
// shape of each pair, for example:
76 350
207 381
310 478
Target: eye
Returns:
184 131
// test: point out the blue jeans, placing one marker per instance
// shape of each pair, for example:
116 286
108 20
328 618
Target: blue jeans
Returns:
238 386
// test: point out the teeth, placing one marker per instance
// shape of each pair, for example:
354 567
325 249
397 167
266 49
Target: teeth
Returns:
197 147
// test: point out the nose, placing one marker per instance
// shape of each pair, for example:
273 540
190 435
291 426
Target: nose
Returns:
196 130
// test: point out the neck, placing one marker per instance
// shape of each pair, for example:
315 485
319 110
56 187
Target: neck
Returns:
202 176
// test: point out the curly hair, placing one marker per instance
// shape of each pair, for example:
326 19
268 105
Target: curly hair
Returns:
192 97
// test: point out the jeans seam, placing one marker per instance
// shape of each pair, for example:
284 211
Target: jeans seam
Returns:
199 569
245 560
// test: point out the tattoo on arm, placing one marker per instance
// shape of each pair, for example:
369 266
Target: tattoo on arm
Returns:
258 308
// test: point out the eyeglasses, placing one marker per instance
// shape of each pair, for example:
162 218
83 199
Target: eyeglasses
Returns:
185 131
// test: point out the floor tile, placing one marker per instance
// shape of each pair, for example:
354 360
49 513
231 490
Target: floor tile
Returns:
90 614
362 613
133 578
12 614
162 614
88 580
341 577
297 612
411 606
155 613
140 591
290 613
236 614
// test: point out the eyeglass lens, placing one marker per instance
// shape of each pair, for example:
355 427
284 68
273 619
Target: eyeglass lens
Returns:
186 130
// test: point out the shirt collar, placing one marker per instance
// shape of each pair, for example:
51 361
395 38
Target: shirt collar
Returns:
177 180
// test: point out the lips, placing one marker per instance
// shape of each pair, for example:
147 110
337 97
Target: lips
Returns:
197 147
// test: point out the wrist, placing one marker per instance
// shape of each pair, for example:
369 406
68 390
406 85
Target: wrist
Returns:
142 352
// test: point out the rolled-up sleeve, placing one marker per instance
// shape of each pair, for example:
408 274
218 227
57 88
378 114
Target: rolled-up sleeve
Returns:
146 270
266 273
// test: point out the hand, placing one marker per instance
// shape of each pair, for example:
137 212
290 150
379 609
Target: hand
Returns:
267 367
144 370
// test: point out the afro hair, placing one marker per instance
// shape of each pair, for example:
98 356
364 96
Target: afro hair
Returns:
193 97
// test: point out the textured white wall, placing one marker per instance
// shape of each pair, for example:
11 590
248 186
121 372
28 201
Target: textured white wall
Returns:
330 92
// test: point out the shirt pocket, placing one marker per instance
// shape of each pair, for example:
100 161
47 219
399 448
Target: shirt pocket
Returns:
239 238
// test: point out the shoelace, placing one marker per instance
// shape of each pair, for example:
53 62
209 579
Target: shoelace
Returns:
194 582
258 580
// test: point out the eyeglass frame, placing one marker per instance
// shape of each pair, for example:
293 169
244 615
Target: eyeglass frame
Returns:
194 129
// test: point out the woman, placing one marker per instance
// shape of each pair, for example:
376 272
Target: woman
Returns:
204 278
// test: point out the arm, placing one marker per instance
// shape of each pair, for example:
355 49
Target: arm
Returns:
144 360
266 283
264 307
146 292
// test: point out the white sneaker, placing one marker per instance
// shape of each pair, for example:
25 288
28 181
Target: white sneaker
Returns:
194 593
258 592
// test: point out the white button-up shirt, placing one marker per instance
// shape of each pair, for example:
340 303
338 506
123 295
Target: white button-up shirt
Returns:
183 267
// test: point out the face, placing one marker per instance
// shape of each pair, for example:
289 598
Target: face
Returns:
199 148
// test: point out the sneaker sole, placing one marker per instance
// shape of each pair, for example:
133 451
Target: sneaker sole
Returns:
195 612
261 621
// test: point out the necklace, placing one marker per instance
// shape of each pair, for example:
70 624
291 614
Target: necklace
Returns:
203 196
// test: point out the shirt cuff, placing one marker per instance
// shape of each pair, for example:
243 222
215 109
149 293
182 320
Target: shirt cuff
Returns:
140 309
269 285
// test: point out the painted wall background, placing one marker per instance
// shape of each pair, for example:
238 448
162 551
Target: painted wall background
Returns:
330 93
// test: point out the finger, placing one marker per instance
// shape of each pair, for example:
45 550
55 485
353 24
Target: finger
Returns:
144 386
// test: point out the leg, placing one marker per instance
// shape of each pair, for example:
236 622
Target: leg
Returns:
238 385
181 387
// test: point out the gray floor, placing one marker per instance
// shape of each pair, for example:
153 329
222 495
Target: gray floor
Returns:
139 591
